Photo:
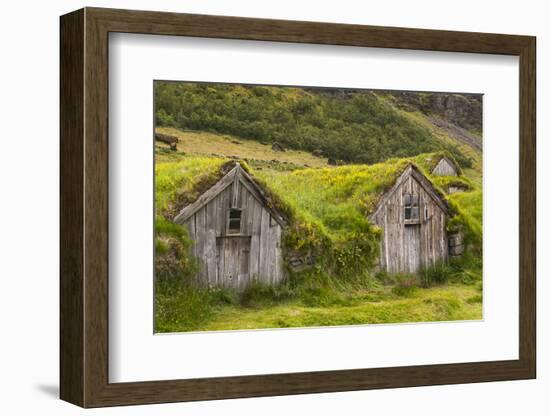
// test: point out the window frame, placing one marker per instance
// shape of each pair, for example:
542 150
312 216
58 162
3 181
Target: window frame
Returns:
228 229
411 204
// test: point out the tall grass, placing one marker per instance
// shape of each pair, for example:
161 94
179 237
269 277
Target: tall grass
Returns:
469 217
437 274
177 182
180 306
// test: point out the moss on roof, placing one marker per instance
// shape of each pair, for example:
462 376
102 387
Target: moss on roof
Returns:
428 161
180 183
324 206
340 199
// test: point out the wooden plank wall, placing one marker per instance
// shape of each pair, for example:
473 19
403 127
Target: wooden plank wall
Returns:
209 224
396 253
444 168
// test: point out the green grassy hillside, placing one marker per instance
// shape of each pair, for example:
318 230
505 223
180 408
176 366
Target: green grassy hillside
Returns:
352 126
199 143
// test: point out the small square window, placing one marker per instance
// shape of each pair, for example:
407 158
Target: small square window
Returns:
412 211
234 221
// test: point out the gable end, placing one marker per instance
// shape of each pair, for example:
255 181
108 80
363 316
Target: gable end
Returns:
424 182
235 176
446 167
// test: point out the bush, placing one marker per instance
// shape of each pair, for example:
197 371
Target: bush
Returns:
438 274
467 269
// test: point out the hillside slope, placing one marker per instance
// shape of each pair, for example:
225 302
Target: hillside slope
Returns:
354 126
201 143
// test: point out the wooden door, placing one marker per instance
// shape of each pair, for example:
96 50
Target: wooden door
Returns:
411 247
233 256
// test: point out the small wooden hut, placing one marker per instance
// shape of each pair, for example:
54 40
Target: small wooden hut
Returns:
237 233
413 217
446 167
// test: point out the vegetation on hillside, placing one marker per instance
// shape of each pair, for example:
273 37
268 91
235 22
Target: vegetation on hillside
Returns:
357 126
328 212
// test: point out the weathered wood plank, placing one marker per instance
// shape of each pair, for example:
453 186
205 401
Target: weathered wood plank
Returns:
264 247
249 202
190 224
220 255
445 168
255 213
200 241
236 187
218 213
278 270
210 249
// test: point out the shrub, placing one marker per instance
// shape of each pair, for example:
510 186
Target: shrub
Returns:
438 274
385 278
467 269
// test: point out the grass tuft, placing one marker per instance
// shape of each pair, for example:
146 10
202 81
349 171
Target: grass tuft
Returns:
438 274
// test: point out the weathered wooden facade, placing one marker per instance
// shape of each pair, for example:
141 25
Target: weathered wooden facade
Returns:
413 218
445 167
237 234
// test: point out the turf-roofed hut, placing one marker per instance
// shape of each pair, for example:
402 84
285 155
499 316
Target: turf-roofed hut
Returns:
236 233
446 167
413 217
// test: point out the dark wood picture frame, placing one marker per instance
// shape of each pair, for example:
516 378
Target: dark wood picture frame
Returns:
84 207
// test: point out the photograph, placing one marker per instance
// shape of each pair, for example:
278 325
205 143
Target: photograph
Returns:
305 206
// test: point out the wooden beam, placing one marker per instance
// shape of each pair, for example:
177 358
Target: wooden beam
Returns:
236 187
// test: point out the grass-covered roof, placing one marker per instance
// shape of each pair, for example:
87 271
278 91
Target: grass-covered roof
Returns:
335 201
327 209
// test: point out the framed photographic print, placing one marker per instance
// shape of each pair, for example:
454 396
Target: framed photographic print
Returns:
256 207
